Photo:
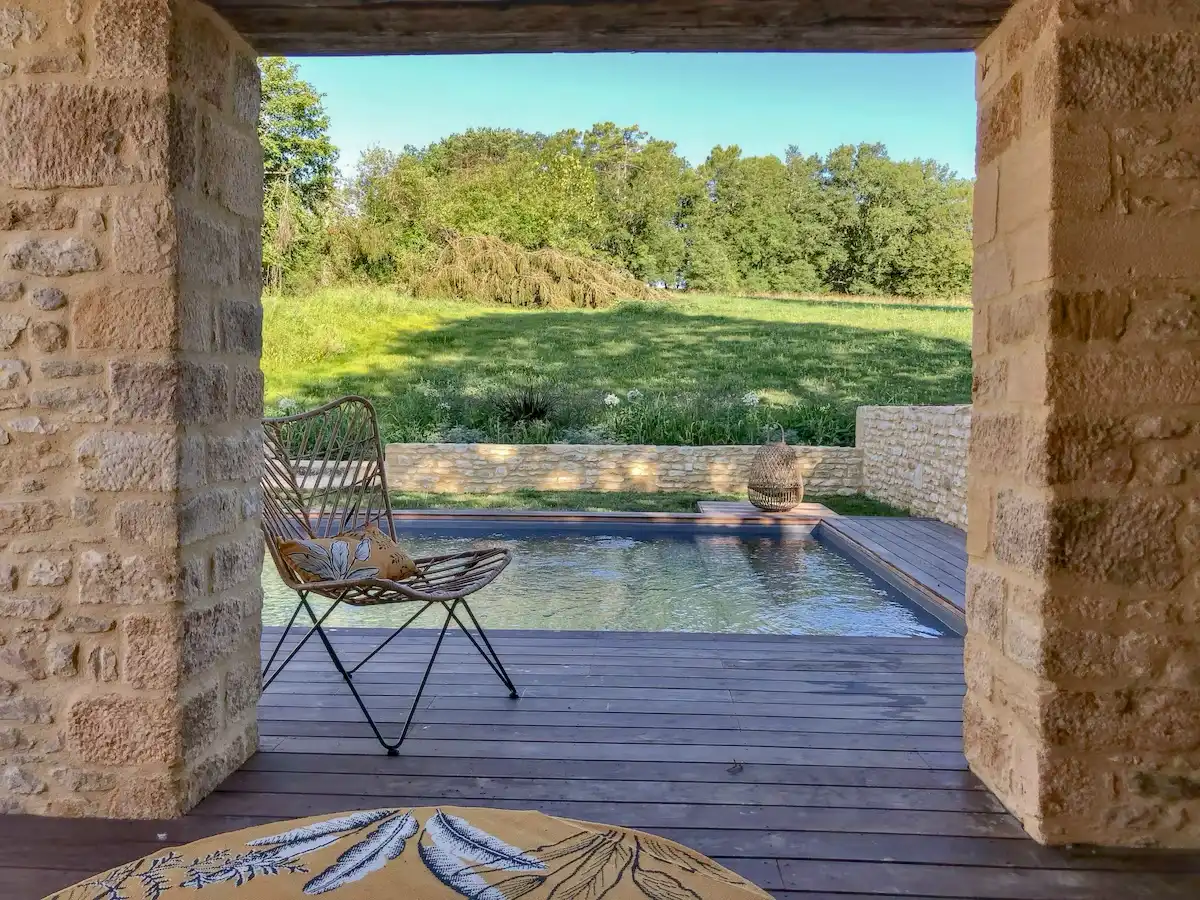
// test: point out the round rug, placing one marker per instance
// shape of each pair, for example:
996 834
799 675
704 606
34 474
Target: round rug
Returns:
423 854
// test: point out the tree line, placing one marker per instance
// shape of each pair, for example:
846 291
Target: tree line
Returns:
849 221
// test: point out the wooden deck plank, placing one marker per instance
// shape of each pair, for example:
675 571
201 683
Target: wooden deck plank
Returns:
942 573
819 768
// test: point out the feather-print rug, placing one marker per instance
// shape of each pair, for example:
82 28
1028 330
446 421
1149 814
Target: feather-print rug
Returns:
478 853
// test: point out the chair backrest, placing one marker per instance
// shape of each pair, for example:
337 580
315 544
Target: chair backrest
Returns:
324 473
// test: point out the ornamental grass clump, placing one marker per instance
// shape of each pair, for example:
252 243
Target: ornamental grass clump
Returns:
481 267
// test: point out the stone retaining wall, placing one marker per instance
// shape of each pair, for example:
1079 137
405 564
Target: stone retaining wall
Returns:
494 468
915 457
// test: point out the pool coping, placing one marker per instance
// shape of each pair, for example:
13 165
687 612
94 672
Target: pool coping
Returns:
810 520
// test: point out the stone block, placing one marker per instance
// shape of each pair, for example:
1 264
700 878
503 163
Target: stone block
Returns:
145 391
1140 72
52 128
1000 120
13 373
76 624
152 657
241 327
126 318
68 368
184 154
237 457
61 658
208 252
76 404
150 522
29 516
203 719
116 730
1128 540
103 665
243 687
48 299
19 25
146 797
128 461
237 561
247 393
200 56
30 710
246 89
205 393
212 512
9 291
36 608
218 760
44 572
49 337
143 229
53 256
131 39
18 780
231 169
36 214
10 329
127 579
1021 532
214 632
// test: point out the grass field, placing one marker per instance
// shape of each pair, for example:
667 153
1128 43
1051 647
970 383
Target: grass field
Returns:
617 501
696 370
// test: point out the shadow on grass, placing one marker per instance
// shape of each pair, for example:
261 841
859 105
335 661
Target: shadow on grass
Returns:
705 362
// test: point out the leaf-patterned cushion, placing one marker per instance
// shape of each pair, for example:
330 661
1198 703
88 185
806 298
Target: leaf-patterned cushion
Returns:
362 554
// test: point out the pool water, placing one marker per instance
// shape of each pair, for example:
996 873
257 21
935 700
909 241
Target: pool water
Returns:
698 583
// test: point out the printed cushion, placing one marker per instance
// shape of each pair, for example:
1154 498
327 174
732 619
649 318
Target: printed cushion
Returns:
354 555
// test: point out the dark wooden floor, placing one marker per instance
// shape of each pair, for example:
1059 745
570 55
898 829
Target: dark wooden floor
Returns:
818 767
931 553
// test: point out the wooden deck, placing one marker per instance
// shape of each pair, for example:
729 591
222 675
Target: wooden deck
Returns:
929 553
818 767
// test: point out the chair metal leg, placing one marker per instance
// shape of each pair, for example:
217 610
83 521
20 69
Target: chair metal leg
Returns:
304 604
283 637
490 656
393 749
362 662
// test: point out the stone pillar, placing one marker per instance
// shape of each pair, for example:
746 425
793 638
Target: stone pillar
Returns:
130 203
1083 653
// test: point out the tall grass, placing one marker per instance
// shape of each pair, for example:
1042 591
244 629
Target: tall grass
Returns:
695 370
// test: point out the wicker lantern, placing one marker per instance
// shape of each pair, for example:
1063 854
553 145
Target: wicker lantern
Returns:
773 483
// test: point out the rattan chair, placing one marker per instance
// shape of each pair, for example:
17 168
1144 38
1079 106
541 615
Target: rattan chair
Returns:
323 476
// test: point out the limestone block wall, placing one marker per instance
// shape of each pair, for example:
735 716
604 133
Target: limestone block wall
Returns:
1083 588
493 468
130 205
915 457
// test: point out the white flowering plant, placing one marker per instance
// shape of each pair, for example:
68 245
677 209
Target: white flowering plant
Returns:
750 399
287 405
612 400
633 395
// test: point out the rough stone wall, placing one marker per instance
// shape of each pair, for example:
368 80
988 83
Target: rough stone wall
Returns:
494 468
1083 595
915 457
130 198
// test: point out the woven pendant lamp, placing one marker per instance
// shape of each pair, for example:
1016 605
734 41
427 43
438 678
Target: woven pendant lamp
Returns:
773 483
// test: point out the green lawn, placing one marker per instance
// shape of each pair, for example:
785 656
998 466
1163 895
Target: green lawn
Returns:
447 370
616 501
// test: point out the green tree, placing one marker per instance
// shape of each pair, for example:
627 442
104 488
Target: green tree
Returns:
298 175
293 128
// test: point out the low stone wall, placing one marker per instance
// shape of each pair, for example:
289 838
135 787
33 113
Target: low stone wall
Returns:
916 457
494 468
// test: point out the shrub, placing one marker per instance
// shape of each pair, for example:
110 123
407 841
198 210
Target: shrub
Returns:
481 267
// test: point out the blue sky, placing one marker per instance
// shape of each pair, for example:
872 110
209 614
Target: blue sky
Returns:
918 104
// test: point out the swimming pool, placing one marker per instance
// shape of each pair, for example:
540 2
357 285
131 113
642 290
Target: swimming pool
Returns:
612 578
